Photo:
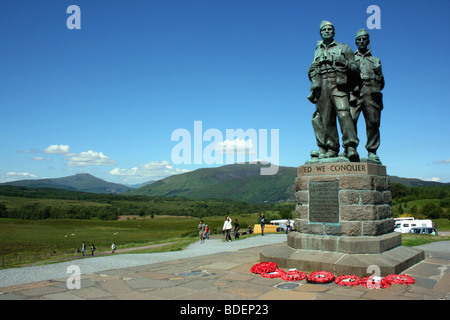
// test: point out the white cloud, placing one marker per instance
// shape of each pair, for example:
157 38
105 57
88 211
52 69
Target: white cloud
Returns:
237 146
154 170
89 158
37 158
57 149
442 161
12 176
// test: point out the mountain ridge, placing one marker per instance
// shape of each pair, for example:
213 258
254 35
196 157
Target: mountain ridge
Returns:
240 182
78 182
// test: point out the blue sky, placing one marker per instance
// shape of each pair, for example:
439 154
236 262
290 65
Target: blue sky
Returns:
105 99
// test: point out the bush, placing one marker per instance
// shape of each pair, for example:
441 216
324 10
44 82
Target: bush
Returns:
431 210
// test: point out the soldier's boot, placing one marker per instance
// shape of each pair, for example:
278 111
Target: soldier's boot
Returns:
352 154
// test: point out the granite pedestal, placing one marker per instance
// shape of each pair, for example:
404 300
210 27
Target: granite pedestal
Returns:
343 223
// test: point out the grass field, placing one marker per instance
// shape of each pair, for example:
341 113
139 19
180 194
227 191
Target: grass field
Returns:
23 241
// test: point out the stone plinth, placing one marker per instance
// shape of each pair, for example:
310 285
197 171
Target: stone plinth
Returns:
343 222
350 199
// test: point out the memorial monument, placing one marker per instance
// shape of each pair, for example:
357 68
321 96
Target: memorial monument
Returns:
343 216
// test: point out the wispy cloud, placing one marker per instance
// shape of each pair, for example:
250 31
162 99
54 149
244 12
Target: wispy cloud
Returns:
82 159
13 176
89 158
57 149
442 161
154 170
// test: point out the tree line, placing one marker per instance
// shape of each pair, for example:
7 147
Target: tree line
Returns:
113 205
402 195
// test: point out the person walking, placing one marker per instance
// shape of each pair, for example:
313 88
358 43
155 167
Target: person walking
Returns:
201 233
113 247
262 222
207 232
288 225
83 248
92 249
227 228
236 229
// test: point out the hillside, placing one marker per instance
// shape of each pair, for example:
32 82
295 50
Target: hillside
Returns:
79 182
240 182
414 182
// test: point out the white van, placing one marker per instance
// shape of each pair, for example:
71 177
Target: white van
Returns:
282 224
404 226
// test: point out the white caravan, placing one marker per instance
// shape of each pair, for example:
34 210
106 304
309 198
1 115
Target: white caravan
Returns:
405 225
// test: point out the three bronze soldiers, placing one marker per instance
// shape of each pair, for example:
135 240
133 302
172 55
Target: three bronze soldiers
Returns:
344 84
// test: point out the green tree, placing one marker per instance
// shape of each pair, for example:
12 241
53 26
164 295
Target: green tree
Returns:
431 210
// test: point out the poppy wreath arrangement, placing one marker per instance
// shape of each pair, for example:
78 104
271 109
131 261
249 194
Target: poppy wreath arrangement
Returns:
400 279
264 267
320 277
271 270
277 273
293 275
348 280
372 282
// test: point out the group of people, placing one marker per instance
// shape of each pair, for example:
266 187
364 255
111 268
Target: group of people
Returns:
344 84
204 230
203 233
93 248
228 226
83 248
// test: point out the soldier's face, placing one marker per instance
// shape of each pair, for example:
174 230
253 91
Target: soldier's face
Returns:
327 32
362 42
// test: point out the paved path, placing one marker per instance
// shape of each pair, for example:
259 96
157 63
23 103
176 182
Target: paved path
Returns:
97 263
212 271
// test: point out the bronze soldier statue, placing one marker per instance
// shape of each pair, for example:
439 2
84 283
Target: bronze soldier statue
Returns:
367 96
330 73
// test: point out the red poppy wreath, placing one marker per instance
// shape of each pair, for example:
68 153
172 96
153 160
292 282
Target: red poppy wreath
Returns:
320 277
401 279
372 282
264 267
348 280
277 273
293 275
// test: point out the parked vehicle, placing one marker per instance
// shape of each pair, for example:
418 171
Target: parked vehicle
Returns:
403 218
432 231
405 226
282 224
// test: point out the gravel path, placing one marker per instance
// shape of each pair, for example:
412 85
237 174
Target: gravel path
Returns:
87 265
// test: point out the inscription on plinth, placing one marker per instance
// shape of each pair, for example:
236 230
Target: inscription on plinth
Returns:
324 201
341 168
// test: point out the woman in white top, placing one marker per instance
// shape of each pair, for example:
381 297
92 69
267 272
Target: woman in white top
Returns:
227 228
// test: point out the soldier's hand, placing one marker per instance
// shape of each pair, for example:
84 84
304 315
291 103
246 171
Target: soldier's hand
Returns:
340 61
314 65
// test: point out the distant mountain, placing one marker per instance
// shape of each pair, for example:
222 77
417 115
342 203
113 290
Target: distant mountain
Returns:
414 182
79 182
240 182
140 185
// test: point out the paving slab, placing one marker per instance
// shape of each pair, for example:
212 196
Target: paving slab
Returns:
226 277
